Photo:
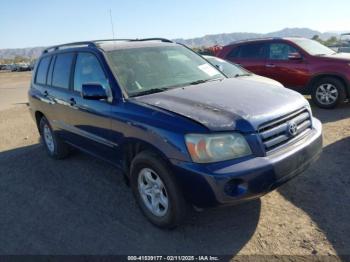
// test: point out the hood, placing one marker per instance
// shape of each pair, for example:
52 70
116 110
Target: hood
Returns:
229 104
339 56
262 79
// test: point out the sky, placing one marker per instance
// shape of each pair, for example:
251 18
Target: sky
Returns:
43 22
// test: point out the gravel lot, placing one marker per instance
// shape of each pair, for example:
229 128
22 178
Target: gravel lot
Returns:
81 205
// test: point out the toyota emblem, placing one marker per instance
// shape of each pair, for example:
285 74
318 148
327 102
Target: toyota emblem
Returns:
292 128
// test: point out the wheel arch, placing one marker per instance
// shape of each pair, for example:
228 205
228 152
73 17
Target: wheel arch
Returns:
337 76
38 116
131 147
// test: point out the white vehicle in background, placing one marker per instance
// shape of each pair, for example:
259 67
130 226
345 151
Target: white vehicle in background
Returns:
344 44
233 70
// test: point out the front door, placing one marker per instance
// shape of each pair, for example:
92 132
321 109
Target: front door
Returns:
90 121
292 73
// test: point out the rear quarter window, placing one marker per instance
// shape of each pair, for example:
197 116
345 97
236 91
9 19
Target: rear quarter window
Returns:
42 70
62 70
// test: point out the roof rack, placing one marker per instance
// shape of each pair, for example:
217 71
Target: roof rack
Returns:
57 47
135 40
94 44
110 40
153 39
255 39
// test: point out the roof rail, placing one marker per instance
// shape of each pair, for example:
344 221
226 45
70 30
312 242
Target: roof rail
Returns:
94 44
137 39
255 39
57 47
114 40
153 39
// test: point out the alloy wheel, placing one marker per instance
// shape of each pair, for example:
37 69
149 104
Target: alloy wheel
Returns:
48 138
153 192
327 94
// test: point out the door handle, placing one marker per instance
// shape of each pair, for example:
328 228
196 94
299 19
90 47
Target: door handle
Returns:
47 98
270 65
72 101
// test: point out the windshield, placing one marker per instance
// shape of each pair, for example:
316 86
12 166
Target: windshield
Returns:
313 47
143 70
229 69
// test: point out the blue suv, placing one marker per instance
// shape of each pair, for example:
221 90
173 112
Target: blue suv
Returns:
183 134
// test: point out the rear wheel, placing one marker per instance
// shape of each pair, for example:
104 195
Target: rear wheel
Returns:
156 191
328 92
54 146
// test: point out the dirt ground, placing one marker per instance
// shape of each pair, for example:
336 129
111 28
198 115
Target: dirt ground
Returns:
81 205
13 88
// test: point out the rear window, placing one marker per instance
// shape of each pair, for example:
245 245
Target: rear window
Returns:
42 70
62 69
250 51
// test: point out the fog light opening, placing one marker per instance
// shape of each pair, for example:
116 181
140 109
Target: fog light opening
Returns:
236 187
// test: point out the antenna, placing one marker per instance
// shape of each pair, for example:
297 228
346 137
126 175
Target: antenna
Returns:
110 15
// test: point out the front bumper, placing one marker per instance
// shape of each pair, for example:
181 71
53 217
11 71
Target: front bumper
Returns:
231 182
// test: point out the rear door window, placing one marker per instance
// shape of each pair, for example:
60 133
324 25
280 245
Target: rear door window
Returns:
62 70
42 70
49 74
252 51
234 53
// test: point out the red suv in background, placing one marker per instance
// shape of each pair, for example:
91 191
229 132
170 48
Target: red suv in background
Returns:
301 64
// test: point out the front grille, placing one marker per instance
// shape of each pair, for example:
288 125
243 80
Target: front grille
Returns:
281 131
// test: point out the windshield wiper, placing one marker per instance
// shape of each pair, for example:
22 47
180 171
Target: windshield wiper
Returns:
239 75
162 89
149 91
201 81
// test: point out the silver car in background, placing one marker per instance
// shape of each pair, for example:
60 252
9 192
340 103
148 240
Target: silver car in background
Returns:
233 70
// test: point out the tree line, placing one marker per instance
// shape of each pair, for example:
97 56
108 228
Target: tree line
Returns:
332 41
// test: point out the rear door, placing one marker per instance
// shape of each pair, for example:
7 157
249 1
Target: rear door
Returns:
251 56
59 93
292 73
39 93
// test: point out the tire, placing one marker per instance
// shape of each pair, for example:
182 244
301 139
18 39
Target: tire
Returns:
328 93
177 208
55 147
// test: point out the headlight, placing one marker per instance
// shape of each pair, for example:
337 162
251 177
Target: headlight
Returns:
217 147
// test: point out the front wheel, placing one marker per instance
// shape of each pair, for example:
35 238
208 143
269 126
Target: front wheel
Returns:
156 191
328 92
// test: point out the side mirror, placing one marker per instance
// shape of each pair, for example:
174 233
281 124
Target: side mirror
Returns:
93 92
295 56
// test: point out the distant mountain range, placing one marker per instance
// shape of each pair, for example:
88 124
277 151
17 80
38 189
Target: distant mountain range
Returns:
207 40
224 39
30 52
